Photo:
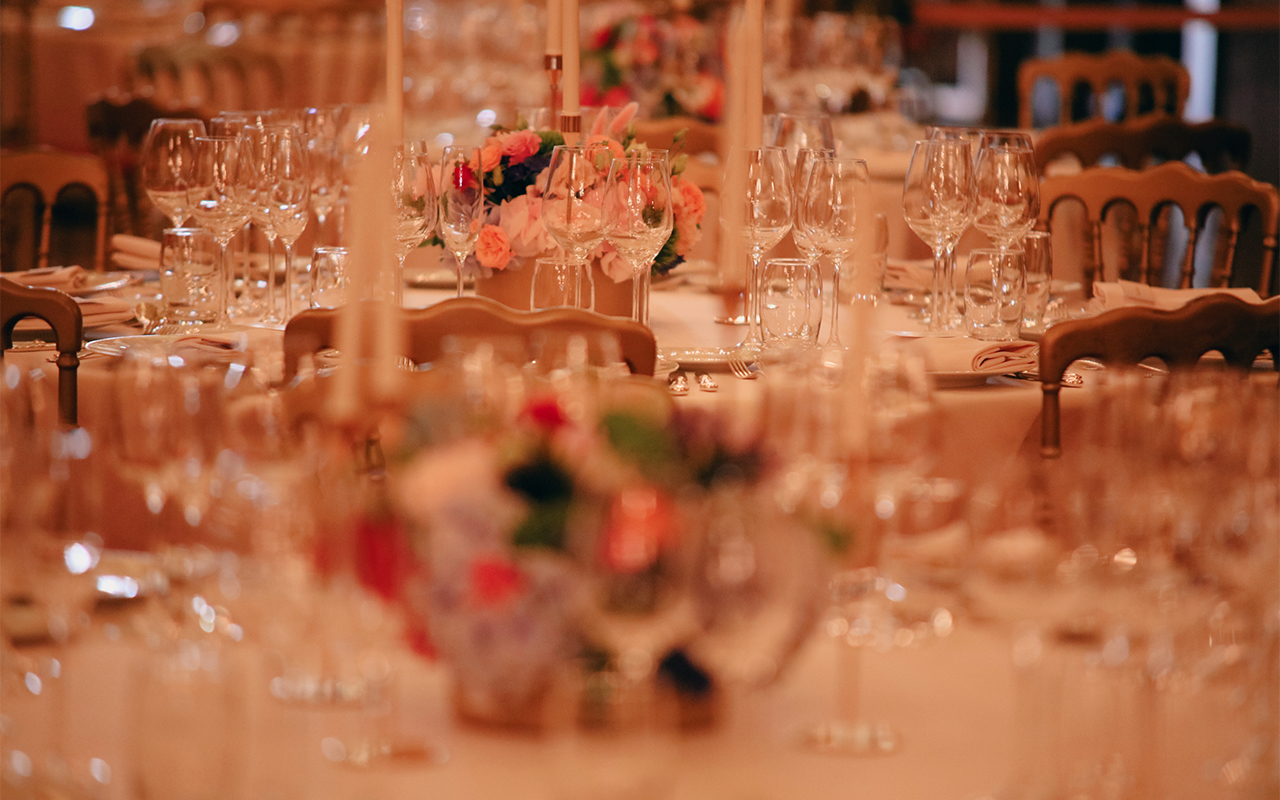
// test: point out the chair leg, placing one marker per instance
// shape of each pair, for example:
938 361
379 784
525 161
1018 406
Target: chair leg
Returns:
1050 422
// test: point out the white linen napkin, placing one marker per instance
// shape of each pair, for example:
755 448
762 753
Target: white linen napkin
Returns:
1107 296
60 278
964 354
95 311
134 252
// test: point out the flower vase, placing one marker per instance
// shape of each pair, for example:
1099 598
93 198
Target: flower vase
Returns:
513 287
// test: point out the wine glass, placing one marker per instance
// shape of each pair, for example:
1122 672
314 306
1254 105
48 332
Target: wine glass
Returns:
1006 188
253 176
289 182
219 202
461 203
571 200
805 157
168 165
829 218
766 219
638 218
416 210
937 201
321 126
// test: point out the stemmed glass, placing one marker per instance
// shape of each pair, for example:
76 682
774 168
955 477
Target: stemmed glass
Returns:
766 219
1006 188
638 218
937 201
253 171
290 207
461 202
325 159
828 217
416 210
219 202
168 165
805 157
571 201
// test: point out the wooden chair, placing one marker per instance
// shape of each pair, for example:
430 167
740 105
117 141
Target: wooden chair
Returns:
1159 79
63 315
48 173
1143 141
315 329
1099 189
1241 331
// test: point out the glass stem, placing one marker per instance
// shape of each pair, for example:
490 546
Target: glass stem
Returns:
937 300
460 258
949 284
640 294
397 285
833 338
271 315
752 305
288 281
224 289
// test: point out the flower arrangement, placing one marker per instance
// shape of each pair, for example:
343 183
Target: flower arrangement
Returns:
513 168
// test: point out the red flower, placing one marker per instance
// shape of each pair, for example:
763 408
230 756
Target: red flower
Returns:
546 413
464 177
495 581
615 97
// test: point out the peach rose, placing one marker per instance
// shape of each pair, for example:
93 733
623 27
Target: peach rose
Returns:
493 248
688 200
519 145
490 155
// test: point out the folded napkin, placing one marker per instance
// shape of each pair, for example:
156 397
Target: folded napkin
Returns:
61 278
963 354
1107 296
134 252
94 310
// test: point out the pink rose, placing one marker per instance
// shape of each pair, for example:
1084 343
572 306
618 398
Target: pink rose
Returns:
493 248
521 221
490 155
519 145
688 200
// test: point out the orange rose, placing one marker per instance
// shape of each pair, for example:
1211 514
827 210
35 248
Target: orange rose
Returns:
493 248
490 155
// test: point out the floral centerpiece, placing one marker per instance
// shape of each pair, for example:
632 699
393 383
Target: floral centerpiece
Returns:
513 168
506 516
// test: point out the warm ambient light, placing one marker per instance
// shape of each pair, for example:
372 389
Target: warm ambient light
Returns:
76 18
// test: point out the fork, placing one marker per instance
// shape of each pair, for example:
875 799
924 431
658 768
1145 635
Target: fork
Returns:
741 369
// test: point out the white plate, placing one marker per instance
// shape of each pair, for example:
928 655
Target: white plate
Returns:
959 380
697 357
119 345
102 282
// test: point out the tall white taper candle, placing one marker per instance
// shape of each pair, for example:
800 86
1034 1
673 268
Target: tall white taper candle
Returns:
395 69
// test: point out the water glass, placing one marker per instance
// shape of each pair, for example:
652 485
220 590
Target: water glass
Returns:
1039 255
330 272
994 290
791 301
190 280
555 284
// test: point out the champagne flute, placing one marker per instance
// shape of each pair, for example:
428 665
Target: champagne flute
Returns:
766 219
571 200
290 202
829 218
1006 188
638 218
168 165
218 202
461 203
416 209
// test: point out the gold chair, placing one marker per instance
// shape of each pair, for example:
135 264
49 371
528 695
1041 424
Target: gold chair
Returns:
315 329
1100 189
63 315
48 173
1139 142
1165 82
1241 331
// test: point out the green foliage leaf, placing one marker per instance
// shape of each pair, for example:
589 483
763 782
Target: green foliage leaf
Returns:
647 445
544 526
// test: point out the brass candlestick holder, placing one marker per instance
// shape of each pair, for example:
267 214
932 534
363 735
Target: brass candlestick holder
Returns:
554 64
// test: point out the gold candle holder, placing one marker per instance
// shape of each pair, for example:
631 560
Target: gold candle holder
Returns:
554 64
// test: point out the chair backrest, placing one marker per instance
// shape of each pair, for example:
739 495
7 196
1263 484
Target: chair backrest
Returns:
1142 141
1241 331
1150 190
48 173
427 328
1166 81
63 315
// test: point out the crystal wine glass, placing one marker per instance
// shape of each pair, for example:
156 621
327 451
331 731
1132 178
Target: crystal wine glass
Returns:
829 218
805 157
252 175
416 210
219 202
766 219
321 126
461 203
571 199
937 201
638 218
290 196
1006 189
168 165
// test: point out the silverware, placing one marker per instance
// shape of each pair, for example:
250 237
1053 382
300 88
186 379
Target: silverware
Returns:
678 384
151 315
741 369
707 383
